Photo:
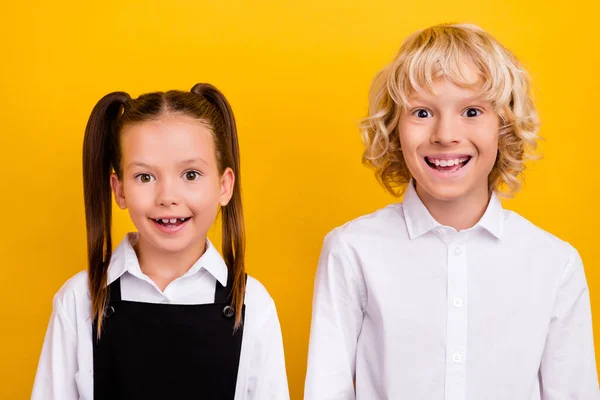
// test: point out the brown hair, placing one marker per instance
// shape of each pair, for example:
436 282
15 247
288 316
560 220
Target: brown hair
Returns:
102 155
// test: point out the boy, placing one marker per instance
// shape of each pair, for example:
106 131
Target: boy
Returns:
447 295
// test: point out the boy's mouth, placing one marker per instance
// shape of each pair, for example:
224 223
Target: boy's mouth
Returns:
447 164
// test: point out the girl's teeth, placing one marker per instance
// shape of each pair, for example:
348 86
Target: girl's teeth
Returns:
170 220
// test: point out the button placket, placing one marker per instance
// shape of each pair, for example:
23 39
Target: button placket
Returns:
456 328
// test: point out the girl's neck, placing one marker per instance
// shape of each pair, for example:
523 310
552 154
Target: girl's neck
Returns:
164 267
461 213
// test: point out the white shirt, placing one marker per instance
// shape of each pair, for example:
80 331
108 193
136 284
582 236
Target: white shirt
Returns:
415 310
65 369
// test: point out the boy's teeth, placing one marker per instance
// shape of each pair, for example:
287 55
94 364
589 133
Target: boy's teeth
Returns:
447 163
165 221
173 220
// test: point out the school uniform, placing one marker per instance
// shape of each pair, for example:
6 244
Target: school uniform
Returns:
411 309
176 344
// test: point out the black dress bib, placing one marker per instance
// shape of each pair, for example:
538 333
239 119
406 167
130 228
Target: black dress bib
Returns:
167 351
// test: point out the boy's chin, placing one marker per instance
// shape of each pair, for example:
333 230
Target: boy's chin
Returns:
450 191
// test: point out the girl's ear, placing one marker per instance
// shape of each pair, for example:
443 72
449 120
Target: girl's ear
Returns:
117 188
227 185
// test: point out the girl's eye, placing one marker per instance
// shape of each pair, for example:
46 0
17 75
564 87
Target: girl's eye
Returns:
192 175
472 112
144 178
422 113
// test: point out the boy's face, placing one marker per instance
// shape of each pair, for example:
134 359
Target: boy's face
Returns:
449 140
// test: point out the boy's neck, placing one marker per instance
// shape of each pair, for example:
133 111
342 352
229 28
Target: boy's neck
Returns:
461 213
164 267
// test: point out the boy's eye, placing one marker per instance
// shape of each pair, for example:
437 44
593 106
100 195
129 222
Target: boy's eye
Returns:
422 113
192 175
472 112
144 178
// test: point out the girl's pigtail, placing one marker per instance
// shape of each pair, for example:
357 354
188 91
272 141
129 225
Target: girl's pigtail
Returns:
234 234
100 148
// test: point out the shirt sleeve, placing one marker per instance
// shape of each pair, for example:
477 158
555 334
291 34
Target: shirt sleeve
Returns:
568 367
268 362
338 304
55 377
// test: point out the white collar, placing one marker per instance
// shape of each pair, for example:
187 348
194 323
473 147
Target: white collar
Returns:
419 221
124 259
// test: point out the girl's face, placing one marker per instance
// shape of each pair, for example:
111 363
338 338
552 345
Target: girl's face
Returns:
449 140
171 183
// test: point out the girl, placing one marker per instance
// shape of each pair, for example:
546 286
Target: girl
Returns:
447 295
163 316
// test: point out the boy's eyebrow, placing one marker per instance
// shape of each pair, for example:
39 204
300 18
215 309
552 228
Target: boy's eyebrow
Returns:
477 97
184 162
469 99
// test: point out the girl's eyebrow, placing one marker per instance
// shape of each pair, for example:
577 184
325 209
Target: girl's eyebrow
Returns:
138 164
193 161
184 162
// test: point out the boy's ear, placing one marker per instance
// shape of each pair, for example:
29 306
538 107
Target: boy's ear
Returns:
117 188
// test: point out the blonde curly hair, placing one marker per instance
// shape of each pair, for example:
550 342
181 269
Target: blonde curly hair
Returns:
439 51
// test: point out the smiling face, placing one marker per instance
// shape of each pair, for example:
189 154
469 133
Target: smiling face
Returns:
171 183
449 140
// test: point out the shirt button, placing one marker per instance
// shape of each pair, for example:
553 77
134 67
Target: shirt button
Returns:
456 358
457 251
458 302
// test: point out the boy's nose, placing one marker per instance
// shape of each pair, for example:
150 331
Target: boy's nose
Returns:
446 132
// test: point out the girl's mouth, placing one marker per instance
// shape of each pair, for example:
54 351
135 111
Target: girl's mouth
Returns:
170 225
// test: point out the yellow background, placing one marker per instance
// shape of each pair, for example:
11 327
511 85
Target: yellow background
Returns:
297 74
